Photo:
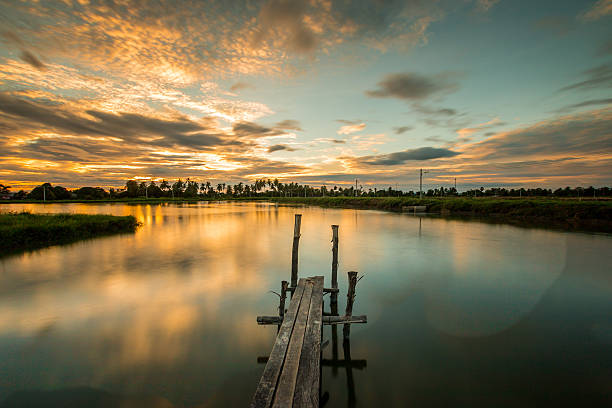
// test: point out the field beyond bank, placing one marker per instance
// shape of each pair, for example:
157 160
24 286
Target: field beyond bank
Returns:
26 231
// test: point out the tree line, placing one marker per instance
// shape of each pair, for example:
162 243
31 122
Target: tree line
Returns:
275 188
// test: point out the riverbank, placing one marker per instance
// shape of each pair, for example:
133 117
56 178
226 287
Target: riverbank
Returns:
568 214
25 231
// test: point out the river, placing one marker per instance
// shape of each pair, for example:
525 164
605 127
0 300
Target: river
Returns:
459 313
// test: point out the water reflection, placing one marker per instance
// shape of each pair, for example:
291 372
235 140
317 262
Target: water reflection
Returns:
167 315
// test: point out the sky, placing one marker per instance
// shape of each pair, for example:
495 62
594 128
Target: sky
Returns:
491 93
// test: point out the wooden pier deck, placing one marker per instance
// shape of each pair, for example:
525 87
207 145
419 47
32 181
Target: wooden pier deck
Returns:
292 376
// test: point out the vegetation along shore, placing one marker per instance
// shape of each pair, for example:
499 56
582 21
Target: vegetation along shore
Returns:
579 208
21 231
569 214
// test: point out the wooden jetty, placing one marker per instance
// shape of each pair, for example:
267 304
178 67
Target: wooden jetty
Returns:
415 209
292 376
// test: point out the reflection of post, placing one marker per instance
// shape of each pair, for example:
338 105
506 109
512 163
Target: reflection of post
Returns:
350 298
294 251
283 296
334 348
350 382
420 221
334 278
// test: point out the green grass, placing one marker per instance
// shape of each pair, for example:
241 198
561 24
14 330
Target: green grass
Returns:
26 231
569 214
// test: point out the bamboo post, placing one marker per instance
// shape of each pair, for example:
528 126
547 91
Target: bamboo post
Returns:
283 296
294 251
350 298
334 278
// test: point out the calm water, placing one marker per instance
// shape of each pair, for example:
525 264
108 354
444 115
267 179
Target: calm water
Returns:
460 313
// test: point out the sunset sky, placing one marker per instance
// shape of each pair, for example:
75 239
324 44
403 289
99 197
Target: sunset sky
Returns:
491 92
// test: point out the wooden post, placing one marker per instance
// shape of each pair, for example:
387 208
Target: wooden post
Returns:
334 278
294 251
283 296
350 298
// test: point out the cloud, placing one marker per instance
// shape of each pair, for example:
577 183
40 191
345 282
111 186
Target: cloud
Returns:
290 124
598 10
285 18
596 78
32 60
250 129
255 130
433 111
605 49
436 139
348 129
420 154
278 147
586 134
485 5
439 117
464 133
401 129
329 140
559 25
413 86
179 131
239 86
591 102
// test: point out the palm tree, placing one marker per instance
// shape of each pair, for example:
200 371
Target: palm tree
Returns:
238 188
164 186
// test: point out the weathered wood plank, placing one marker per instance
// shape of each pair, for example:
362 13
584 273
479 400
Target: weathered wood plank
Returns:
269 379
326 319
309 374
286 383
325 290
334 362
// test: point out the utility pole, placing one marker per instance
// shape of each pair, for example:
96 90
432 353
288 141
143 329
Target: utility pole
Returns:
421 183
455 184
44 193
355 187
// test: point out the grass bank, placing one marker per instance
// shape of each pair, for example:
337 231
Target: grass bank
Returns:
541 212
26 231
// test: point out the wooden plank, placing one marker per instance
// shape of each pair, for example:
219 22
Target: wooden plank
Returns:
286 383
309 374
325 290
267 384
334 362
326 319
